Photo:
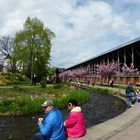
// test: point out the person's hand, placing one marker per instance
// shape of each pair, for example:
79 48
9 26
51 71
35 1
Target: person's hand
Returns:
40 120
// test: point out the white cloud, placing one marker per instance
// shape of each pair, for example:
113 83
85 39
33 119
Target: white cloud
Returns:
82 31
137 24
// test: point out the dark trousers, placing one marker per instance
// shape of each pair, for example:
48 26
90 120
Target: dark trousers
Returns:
39 136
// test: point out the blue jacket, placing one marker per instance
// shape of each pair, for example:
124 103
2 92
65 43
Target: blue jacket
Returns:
52 126
130 92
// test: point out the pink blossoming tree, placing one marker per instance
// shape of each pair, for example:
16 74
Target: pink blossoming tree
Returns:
107 70
129 70
69 74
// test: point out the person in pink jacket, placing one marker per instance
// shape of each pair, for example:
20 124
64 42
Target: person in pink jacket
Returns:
75 124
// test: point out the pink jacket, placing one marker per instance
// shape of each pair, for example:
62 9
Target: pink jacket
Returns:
75 124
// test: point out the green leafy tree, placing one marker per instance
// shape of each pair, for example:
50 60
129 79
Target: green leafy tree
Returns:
51 71
32 47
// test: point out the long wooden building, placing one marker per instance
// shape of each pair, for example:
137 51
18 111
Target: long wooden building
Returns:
128 53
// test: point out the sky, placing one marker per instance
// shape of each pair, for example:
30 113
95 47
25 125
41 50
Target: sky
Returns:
83 28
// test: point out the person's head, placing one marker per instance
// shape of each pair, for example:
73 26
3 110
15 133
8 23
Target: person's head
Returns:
71 104
48 106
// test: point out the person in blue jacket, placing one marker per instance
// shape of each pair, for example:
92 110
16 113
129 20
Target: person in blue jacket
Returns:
131 95
52 125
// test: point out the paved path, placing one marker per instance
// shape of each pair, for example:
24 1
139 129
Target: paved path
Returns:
132 132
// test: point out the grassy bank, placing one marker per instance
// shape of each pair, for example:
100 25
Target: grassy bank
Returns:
28 100
12 79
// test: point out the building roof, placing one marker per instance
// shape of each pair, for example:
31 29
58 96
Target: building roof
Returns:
111 50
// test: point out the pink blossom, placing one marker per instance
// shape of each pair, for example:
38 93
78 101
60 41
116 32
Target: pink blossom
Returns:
129 70
107 69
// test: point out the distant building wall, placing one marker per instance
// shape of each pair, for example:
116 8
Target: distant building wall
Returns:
123 80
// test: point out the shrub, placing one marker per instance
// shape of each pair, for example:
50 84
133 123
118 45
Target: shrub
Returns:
3 80
43 82
16 78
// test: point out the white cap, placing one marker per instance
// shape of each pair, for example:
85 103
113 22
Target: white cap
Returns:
47 103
